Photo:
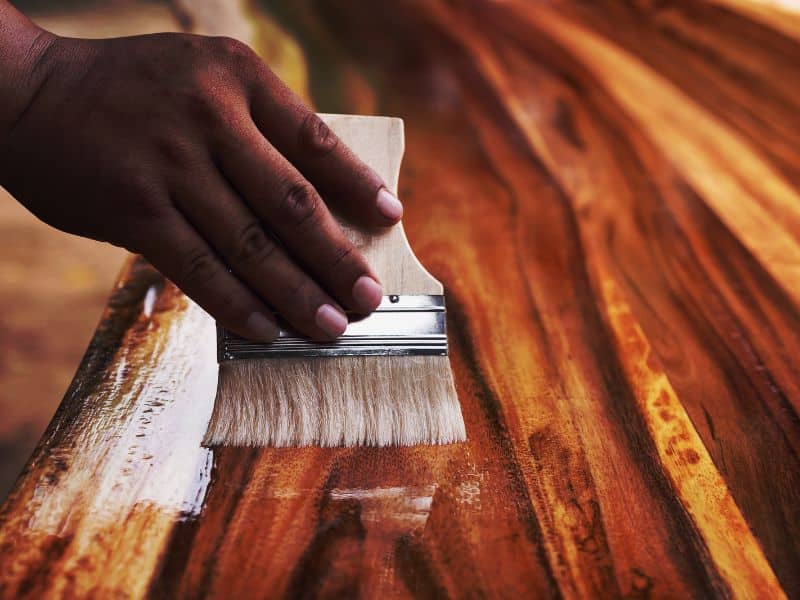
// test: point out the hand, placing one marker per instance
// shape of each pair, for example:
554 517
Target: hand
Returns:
190 151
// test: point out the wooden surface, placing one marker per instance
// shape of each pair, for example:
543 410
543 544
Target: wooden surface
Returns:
610 192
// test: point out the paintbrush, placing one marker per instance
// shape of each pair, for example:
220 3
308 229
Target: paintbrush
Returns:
386 381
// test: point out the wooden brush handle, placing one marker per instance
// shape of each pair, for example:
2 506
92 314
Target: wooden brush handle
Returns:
379 142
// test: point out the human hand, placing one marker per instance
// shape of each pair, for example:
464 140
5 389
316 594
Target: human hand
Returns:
190 151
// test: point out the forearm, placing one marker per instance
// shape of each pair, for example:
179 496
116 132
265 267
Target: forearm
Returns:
22 44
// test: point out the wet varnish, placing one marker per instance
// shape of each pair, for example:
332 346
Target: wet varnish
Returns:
610 192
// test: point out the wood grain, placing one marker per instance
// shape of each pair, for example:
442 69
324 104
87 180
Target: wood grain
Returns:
609 193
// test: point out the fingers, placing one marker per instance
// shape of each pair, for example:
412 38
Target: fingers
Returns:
291 208
193 266
307 142
237 235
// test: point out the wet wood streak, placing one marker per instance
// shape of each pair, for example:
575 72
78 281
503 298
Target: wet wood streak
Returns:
610 193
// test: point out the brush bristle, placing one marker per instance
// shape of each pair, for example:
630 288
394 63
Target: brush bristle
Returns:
344 401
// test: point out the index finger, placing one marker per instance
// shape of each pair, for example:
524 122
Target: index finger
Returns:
309 144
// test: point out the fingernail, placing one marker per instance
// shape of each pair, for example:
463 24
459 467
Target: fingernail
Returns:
330 320
367 293
261 327
389 205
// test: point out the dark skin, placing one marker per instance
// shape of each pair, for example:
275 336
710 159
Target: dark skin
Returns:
189 150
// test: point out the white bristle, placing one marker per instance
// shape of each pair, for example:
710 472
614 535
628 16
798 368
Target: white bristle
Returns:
344 401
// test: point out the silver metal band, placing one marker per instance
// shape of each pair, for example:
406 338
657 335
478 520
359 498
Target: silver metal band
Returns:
400 326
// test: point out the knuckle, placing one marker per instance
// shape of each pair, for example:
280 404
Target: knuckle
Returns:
198 267
300 203
341 255
300 294
136 183
252 245
190 44
234 49
143 200
316 138
171 152
201 104
152 208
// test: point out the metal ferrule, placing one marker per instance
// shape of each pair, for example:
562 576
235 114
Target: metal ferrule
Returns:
400 326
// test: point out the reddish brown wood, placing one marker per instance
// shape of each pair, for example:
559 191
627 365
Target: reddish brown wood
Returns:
610 194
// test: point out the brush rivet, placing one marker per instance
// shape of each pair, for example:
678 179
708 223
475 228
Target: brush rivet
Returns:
394 299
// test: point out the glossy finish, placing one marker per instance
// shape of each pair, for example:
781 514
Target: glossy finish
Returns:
610 193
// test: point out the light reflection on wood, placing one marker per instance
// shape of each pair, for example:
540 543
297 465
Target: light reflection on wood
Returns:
616 224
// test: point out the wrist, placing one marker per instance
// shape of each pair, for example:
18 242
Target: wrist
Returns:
23 46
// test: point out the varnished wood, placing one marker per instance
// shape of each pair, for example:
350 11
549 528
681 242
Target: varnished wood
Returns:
608 191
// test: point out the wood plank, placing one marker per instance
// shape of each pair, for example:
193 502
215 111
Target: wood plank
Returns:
620 247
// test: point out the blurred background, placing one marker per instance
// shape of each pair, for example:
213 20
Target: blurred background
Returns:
53 286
